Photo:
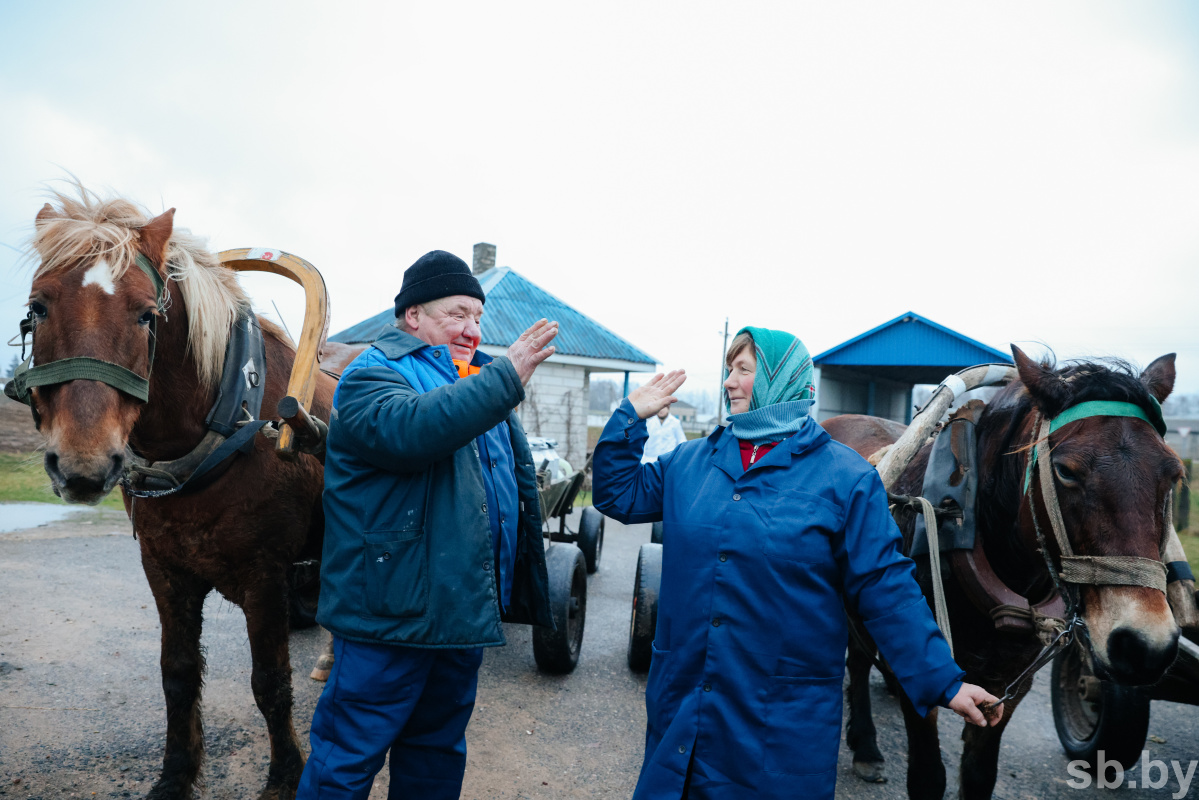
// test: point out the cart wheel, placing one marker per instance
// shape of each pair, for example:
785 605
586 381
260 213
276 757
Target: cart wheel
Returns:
557 651
591 537
655 532
304 583
1092 715
644 620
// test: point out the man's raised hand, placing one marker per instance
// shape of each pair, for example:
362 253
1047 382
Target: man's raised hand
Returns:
530 349
657 393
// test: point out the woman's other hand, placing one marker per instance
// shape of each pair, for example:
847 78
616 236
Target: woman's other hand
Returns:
657 393
966 705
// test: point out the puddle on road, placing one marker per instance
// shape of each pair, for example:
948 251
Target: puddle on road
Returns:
21 516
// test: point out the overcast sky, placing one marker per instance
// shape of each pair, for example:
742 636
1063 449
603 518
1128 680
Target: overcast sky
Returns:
1019 172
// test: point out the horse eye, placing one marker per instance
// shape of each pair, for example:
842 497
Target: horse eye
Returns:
1065 474
38 309
146 318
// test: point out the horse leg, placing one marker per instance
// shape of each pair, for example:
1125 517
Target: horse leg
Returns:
860 733
980 755
926 772
266 612
180 599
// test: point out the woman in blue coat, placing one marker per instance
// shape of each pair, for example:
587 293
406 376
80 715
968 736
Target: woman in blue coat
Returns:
770 529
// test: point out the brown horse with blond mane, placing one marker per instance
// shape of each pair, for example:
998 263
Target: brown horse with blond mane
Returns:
239 534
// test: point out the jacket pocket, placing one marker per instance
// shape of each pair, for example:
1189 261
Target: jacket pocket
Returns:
397 576
661 698
803 725
800 527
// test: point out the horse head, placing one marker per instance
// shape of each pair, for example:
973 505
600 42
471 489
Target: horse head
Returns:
91 303
1112 475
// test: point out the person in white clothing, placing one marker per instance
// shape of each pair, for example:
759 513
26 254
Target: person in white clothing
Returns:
665 434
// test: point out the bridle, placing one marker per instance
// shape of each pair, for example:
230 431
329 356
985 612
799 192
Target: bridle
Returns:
143 478
28 376
1079 571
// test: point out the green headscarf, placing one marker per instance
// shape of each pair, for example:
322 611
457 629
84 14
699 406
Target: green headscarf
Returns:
783 389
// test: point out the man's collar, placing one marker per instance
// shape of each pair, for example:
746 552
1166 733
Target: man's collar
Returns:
395 344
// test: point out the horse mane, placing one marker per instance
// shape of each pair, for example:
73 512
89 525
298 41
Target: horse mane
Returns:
85 226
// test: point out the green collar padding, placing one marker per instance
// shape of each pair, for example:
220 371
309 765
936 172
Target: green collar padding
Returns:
1095 408
80 368
1104 408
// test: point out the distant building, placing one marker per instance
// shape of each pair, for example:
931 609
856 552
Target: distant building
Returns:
1182 433
557 397
684 411
875 372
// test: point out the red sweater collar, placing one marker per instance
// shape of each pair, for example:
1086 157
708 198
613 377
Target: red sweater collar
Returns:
748 456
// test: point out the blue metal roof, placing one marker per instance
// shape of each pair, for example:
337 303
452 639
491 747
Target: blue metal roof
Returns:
911 340
513 304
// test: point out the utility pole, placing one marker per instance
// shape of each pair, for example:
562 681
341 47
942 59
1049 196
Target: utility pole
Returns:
720 392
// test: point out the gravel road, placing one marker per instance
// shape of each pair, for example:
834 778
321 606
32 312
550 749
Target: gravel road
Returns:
81 710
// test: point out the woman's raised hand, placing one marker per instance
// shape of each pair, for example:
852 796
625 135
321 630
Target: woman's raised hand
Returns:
657 393
530 349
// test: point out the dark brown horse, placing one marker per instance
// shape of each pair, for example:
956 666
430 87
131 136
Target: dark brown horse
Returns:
240 534
1112 474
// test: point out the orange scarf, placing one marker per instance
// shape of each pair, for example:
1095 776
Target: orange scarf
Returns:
465 369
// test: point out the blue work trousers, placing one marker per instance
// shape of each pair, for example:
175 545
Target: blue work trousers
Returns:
412 701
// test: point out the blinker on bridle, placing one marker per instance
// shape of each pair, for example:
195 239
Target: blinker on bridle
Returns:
27 376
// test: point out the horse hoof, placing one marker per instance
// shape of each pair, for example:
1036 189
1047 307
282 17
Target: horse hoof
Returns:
324 665
869 771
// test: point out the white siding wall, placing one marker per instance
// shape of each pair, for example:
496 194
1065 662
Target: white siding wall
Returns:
555 407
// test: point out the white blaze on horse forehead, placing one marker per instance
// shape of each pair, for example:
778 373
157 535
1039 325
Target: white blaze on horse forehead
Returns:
100 274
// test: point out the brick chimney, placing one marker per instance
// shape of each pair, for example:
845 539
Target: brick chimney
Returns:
484 258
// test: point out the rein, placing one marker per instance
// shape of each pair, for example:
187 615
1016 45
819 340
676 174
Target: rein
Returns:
28 376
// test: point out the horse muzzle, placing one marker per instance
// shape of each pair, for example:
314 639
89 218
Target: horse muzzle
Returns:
1133 636
84 480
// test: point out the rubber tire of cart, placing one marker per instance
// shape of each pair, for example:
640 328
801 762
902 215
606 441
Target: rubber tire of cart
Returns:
644 619
557 651
304 592
655 532
591 537
1122 720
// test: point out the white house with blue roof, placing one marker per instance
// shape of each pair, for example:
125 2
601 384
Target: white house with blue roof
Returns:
875 372
555 403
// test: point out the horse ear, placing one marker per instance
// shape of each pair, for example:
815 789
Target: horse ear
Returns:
156 235
1048 391
1158 377
45 215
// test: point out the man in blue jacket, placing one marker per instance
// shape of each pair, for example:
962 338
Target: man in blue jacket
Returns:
432 538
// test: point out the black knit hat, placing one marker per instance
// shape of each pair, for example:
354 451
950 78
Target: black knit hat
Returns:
437 274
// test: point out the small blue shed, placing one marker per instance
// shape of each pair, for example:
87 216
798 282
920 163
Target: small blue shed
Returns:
556 399
874 373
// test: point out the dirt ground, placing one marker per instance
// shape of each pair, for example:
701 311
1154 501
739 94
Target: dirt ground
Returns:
17 433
